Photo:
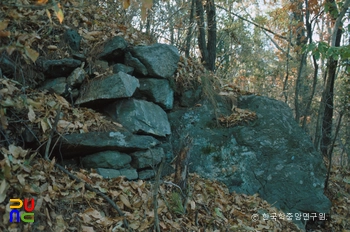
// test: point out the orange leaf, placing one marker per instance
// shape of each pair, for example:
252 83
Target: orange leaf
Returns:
5 33
41 2
143 13
147 4
126 4
59 13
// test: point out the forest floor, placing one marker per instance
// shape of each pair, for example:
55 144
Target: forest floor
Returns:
64 204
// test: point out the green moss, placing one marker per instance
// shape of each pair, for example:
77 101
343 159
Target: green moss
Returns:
211 124
208 149
217 158
176 203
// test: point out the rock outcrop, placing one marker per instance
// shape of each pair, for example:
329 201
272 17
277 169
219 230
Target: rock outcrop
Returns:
271 156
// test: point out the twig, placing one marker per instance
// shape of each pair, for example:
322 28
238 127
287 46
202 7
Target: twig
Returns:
155 193
5 137
171 183
87 186
58 112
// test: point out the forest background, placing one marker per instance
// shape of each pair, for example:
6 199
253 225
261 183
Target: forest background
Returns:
295 51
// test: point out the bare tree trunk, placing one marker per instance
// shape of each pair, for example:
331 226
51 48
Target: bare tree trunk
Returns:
327 103
190 30
211 45
201 31
331 149
327 98
171 24
300 41
313 88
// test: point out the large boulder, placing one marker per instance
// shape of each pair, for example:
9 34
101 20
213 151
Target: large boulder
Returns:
271 156
160 60
140 116
118 85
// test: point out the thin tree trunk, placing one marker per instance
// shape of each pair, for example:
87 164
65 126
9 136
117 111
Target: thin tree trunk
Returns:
328 95
331 149
201 31
313 88
300 41
211 45
190 30
328 106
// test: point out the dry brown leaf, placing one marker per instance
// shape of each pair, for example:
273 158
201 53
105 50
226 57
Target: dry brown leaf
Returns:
21 179
32 54
44 124
126 4
52 47
17 152
62 100
87 229
31 114
93 213
5 33
125 200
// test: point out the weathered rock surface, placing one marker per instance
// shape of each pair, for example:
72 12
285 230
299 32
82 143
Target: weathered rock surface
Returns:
92 142
136 64
157 91
130 174
73 39
58 68
160 60
76 78
106 159
146 174
271 156
57 85
123 68
118 85
148 158
140 116
114 50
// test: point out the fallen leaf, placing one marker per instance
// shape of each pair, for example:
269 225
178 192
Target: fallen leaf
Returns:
31 113
125 201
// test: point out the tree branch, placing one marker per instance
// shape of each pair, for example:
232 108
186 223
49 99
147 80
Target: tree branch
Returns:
255 24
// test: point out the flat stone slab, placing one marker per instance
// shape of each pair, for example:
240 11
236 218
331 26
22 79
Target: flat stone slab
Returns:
92 142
